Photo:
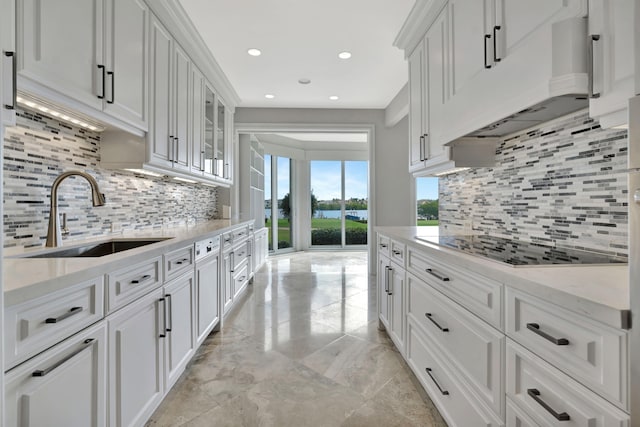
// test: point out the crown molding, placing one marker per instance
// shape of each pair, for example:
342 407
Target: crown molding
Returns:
422 15
173 16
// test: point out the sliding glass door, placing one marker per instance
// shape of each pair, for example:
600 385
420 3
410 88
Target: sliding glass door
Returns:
339 203
278 202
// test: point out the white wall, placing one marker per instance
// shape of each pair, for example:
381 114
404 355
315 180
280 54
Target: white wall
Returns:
391 186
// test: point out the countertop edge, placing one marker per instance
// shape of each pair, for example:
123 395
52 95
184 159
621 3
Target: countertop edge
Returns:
71 271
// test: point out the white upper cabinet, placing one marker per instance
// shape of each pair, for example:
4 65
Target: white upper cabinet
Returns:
127 61
8 63
93 52
610 35
197 129
483 60
168 136
60 45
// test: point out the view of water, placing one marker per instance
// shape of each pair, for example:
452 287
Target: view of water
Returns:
362 214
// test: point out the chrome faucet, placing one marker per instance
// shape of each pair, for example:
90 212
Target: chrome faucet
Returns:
54 235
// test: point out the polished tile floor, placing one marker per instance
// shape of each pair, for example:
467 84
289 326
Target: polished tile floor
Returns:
301 349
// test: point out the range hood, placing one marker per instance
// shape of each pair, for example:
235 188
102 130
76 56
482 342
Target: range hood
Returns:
544 111
462 154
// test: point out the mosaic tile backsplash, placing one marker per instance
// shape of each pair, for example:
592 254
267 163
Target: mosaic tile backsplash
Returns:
563 183
39 148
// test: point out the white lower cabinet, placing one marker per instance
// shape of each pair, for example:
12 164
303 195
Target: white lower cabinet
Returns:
207 296
516 417
391 291
448 390
550 397
179 299
64 386
136 360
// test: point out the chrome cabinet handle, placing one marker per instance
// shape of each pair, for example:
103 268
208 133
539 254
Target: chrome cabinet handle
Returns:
104 79
444 392
73 311
437 275
535 328
141 279
397 252
182 261
390 292
170 312
594 38
215 166
383 245
535 395
43 372
164 317
232 260
225 170
495 43
430 317
177 149
113 86
486 37
14 76
421 148
386 279
171 150
202 160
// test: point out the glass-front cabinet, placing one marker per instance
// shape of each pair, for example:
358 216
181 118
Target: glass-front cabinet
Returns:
209 141
221 161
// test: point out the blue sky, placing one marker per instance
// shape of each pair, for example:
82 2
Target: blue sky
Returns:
325 180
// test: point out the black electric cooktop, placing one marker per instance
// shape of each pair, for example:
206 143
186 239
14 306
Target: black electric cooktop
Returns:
518 253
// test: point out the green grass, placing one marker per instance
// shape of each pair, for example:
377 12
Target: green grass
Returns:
284 230
427 222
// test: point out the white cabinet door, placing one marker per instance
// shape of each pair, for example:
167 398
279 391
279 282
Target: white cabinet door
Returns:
227 277
437 66
383 291
418 109
611 26
207 294
136 360
397 318
197 129
8 64
471 41
182 70
127 61
60 47
159 138
64 386
180 298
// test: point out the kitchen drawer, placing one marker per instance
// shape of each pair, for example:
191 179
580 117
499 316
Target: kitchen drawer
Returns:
480 295
447 390
36 325
63 386
177 262
476 348
592 353
398 251
547 395
239 254
384 245
240 234
129 283
516 417
240 279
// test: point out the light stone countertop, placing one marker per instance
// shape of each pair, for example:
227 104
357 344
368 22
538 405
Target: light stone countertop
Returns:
29 278
600 292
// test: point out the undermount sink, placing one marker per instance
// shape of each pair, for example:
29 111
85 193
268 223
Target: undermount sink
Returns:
95 250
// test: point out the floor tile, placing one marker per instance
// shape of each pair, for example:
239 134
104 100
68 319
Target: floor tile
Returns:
302 348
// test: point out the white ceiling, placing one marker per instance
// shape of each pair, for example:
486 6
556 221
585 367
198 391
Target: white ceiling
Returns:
302 39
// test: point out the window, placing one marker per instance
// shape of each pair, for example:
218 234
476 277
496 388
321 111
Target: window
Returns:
278 201
427 201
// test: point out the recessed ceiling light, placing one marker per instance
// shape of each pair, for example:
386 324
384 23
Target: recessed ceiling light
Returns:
344 55
254 52
304 81
334 97
269 96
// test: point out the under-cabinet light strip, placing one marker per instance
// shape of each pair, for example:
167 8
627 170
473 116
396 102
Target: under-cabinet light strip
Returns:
49 109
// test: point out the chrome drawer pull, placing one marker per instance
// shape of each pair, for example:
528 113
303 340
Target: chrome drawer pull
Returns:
141 279
535 395
535 328
170 310
182 261
42 372
242 279
397 252
74 310
386 279
383 245
430 317
437 275
444 392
